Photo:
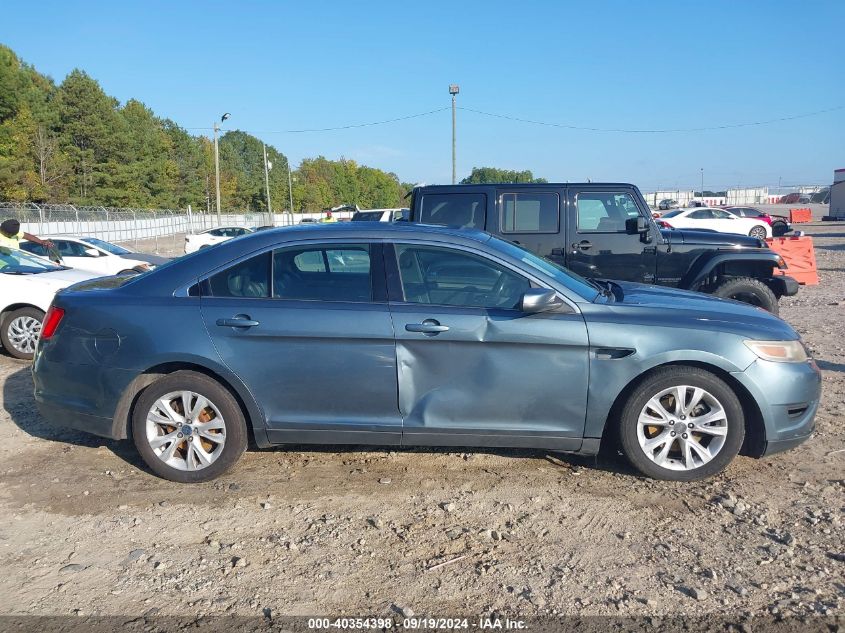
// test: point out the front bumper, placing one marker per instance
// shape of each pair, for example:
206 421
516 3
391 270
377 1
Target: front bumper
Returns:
788 396
783 285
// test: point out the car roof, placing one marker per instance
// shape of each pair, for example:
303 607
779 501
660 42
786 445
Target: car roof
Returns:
377 230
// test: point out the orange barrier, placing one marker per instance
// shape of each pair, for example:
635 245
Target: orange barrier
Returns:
800 215
800 258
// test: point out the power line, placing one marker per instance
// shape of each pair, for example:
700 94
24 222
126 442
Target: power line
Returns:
340 127
655 131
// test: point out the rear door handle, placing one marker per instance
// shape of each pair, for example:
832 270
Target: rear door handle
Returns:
583 245
238 321
429 326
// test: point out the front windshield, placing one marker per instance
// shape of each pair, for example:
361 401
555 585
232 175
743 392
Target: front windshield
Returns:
15 262
114 249
562 275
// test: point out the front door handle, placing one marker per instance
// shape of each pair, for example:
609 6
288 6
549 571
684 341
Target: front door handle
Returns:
429 327
583 245
237 321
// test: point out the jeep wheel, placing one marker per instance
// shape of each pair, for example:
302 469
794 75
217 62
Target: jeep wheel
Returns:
759 232
748 290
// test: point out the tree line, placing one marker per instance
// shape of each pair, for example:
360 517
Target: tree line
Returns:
73 143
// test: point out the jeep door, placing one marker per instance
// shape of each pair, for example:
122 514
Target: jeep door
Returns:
531 218
599 245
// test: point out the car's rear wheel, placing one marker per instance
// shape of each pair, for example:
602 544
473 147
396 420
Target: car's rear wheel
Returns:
759 232
779 228
20 330
748 290
188 427
681 424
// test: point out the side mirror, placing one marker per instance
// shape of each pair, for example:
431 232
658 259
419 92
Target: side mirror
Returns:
92 252
539 300
636 225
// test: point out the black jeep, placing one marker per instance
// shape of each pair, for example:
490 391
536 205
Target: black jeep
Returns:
606 231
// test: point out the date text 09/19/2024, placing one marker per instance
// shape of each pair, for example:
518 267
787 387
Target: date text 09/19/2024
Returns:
413 623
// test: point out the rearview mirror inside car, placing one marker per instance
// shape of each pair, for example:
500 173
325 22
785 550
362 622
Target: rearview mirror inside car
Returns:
539 300
92 252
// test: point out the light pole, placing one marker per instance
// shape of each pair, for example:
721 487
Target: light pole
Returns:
267 167
225 116
290 190
454 89
702 182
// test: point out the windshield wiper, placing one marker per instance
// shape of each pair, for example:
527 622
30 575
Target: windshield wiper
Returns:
14 272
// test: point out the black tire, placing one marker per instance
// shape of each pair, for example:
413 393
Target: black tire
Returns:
235 425
665 378
34 313
779 228
759 232
748 290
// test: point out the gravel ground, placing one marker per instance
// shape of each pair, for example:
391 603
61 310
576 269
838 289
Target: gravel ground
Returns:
87 531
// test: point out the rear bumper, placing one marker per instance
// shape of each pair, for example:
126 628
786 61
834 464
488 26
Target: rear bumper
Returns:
62 416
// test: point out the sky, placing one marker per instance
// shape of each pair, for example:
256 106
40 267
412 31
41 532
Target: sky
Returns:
278 66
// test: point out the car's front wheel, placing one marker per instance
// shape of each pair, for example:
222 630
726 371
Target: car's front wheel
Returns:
20 330
188 427
682 424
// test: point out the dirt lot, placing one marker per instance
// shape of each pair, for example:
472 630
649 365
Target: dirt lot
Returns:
85 530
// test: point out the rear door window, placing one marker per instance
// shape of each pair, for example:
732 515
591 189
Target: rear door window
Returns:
529 212
249 278
454 209
323 273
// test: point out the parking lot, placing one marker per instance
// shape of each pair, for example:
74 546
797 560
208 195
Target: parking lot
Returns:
304 531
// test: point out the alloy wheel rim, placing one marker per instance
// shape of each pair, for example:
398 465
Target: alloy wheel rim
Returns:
682 428
186 430
759 232
23 333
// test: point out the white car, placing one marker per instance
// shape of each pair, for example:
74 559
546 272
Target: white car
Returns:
96 256
715 220
210 237
380 215
27 286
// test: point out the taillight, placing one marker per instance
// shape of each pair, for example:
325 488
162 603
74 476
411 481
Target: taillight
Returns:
664 224
52 319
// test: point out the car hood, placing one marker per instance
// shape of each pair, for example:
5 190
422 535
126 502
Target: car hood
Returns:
710 238
155 260
677 307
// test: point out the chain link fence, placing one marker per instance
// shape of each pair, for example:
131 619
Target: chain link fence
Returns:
158 228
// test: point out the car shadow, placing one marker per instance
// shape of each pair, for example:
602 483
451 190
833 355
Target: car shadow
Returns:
19 403
828 366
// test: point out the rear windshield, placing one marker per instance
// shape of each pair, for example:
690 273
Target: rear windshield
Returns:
672 214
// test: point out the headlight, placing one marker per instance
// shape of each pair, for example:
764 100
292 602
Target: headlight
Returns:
778 351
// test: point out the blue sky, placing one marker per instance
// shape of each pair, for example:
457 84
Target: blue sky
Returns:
291 65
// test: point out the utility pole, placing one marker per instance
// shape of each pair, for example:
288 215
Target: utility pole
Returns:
267 167
702 182
290 190
454 89
217 165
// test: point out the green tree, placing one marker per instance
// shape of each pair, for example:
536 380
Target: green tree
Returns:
484 175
